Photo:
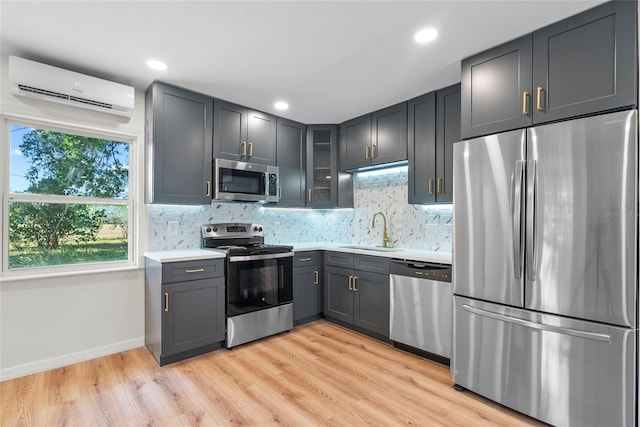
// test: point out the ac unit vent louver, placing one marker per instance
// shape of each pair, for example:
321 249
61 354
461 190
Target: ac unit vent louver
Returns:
40 81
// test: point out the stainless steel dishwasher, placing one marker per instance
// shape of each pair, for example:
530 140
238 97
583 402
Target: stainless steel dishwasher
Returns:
421 306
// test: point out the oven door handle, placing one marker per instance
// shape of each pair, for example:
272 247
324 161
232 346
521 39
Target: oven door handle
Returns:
241 258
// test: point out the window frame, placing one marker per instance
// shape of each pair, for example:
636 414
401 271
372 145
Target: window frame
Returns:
131 202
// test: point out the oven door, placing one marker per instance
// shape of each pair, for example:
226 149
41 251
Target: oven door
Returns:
257 282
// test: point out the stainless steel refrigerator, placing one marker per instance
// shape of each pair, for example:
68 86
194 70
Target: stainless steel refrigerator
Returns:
544 269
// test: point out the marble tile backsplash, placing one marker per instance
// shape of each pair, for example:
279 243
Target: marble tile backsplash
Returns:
410 226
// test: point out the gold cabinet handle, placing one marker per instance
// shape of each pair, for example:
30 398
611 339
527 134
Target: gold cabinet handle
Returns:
366 152
309 194
250 149
439 185
355 282
430 185
166 301
317 277
525 103
243 148
350 283
304 259
195 270
208 188
539 98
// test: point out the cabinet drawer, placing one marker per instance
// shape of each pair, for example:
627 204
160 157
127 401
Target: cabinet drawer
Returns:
302 259
192 270
373 264
339 259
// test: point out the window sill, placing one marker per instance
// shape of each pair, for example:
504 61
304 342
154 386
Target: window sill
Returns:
49 273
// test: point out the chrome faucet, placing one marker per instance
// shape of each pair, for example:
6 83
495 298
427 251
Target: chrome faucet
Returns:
385 237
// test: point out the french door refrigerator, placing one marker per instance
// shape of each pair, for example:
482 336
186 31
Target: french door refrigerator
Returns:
544 269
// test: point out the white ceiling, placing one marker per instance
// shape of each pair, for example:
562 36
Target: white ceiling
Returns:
330 60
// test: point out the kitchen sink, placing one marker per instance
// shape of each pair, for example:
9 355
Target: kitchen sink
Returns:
372 248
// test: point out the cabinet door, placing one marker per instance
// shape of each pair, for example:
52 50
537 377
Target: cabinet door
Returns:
355 143
447 133
422 148
180 144
496 89
371 302
229 131
338 301
586 63
193 314
261 138
290 159
307 292
322 165
389 134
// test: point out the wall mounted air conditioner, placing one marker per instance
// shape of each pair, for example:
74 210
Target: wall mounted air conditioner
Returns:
40 81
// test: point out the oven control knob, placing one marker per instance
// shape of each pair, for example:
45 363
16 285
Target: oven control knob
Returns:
255 228
215 229
208 230
260 229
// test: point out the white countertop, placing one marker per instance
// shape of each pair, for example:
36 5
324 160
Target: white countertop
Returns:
397 253
183 255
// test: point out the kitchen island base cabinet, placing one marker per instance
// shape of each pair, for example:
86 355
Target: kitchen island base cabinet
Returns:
357 298
184 315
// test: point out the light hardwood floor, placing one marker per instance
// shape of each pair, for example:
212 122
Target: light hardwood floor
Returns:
317 374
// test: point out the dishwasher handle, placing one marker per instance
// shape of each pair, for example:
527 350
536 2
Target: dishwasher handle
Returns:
430 271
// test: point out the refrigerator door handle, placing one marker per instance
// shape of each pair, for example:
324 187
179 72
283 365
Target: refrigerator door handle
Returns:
539 326
531 221
516 218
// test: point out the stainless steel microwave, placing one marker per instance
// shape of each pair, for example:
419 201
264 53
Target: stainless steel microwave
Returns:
248 182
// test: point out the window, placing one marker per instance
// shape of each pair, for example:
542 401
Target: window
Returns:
68 201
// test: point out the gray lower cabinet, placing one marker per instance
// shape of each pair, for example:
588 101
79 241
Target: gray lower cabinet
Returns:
243 134
178 145
307 287
358 295
581 65
290 159
184 308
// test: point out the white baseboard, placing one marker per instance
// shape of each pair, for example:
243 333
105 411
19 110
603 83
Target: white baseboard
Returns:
68 359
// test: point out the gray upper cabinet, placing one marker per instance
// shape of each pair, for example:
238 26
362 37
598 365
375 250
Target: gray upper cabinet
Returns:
434 125
389 134
422 148
447 133
496 89
586 63
178 138
582 65
290 159
243 134
374 139
326 186
355 143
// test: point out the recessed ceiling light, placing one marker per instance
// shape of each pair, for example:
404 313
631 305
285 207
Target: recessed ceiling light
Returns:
281 105
426 35
154 64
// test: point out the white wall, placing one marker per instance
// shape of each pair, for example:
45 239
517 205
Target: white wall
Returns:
47 322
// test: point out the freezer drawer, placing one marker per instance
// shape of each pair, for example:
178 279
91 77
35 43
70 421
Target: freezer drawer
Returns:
562 371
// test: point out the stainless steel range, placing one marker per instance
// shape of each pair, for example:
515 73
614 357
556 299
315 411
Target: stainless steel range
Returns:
259 281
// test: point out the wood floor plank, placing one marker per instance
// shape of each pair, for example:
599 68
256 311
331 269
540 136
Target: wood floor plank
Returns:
317 374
